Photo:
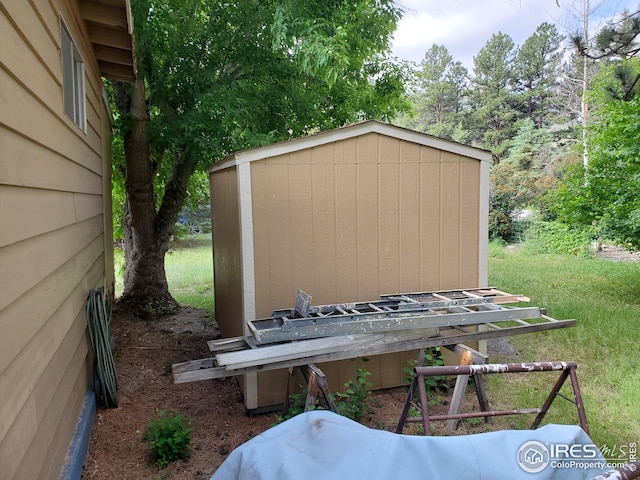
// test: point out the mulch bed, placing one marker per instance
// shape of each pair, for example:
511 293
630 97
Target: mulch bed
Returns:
144 353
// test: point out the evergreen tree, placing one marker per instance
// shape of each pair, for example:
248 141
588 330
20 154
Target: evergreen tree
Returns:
440 86
526 146
535 72
492 94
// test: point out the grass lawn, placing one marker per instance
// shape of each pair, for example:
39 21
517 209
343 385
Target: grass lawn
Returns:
189 267
604 298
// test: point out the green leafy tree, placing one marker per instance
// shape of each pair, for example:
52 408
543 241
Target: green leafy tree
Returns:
513 189
602 194
605 195
216 77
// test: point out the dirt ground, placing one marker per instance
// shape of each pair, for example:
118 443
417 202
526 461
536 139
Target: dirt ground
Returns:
144 353
617 254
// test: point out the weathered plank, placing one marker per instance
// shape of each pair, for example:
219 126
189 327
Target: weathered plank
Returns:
193 365
368 344
283 352
458 393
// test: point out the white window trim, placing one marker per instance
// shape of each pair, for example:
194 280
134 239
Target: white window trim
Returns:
73 79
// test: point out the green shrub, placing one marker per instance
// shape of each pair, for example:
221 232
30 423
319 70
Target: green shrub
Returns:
558 238
169 438
355 401
297 403
433 385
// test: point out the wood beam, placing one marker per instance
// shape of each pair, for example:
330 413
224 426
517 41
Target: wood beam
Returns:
113 55
104 15
115 71
109 37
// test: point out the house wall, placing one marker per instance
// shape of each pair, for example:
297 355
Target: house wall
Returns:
55 241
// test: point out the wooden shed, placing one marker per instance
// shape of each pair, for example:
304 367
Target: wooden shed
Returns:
56 241
345 215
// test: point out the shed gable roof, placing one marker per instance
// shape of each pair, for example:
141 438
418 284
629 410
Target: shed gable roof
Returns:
347 132
110 27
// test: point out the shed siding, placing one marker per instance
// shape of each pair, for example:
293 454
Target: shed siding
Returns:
354 219
227 256
403 217
55 238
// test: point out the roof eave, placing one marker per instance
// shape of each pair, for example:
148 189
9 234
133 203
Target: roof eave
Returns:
109 24
347 132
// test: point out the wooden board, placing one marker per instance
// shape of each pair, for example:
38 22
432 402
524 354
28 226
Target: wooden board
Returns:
361 345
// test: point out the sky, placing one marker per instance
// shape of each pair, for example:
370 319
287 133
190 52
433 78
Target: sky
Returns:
465 26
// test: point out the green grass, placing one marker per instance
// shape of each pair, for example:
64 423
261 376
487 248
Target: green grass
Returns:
189 269
604 298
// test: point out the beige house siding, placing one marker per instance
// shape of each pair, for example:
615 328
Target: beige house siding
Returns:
55 235
349 215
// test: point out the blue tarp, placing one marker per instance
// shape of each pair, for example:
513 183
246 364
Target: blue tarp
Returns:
324 445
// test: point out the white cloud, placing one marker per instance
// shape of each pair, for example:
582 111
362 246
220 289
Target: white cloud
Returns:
465 26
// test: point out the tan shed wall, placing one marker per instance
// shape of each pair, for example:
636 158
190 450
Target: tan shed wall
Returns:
227 255
357 218
55 237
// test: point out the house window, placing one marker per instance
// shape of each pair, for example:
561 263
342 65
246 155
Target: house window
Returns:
73 88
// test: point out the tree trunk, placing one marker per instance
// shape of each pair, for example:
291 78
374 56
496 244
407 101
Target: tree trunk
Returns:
146 232
585 87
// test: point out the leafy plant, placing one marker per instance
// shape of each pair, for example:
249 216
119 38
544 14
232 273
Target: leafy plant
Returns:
356 400
169 437
474 422
433 385
353 404
297 402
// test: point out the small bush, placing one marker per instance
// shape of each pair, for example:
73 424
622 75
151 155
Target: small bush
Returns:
297 403
169 438
433 385
558 238
356 400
